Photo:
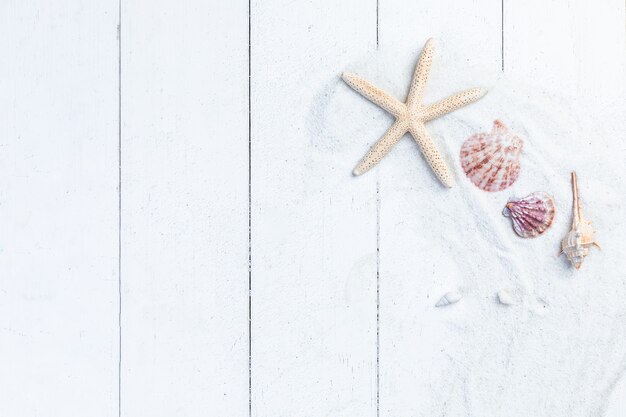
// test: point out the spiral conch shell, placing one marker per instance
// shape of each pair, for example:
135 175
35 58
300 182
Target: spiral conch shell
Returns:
491 160
576 244
531 215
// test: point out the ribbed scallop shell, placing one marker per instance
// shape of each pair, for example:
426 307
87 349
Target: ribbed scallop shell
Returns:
531 215
491 160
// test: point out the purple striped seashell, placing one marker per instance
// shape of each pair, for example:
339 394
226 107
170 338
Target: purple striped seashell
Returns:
531 215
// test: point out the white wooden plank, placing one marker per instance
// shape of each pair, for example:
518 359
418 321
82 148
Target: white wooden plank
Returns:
422 355
313 223
58 209
185 208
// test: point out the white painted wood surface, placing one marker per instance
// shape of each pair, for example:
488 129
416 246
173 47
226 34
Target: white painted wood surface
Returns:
58 209
240 270
184 330
313 270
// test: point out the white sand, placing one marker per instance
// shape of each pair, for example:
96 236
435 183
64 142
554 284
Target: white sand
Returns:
561 351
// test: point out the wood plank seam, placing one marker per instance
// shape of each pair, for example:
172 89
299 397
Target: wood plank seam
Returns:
502 33
250 208
119 205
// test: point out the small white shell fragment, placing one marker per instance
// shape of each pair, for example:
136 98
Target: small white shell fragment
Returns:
506 298
450 298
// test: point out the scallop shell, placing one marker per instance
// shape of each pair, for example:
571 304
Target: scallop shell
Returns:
450 298
491 160
531 215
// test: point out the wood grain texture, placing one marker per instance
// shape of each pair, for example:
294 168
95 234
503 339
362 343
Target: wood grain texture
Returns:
418 346
184 208
313 223
258 277
58 209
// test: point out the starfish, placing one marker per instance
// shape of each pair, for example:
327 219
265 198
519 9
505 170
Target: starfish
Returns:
411 116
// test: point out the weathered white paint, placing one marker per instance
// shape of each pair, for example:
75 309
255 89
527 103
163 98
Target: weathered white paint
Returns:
184 208
344 274
313 223
58 208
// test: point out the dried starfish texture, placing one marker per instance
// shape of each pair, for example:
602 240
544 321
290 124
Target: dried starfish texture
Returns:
411 116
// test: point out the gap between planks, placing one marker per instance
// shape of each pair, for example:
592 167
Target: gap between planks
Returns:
119 206
378 250
250 208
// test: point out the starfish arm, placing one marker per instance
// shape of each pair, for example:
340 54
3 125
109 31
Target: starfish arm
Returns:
374 94
382 147
420 76
432 154
453 102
